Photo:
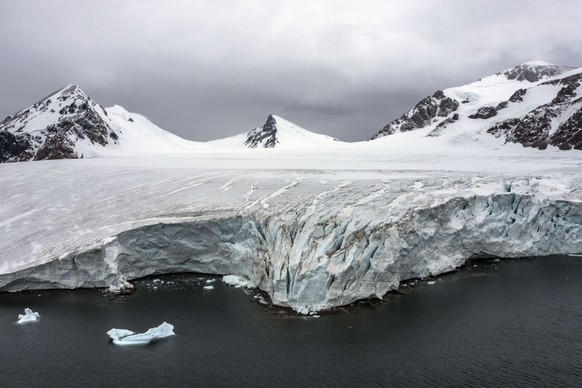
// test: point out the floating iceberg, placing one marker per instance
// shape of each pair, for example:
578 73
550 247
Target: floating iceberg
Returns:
128 337
29 316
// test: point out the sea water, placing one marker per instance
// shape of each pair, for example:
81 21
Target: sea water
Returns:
508 323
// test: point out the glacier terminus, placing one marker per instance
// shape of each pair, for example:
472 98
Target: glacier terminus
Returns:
489 169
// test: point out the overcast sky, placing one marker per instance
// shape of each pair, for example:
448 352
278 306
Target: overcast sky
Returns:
211 69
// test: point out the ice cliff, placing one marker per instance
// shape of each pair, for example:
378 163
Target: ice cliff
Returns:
311 240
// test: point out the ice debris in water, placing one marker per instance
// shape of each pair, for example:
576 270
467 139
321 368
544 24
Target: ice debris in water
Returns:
208 287
128 337
29 316
121 285
237 281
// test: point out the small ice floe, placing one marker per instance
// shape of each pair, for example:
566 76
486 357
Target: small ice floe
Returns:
431 282
305 310
208 287
29 316
260 299
128 337
122 285
238 281
210 280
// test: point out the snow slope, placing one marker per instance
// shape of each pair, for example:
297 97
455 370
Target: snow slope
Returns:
276 133
138 136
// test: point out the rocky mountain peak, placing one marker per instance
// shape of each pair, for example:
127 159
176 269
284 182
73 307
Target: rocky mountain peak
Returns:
265 136
534 71
52 127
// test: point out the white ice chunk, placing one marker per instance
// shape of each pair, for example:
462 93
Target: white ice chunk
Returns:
208 287
237 281
128 337
29 316
121 285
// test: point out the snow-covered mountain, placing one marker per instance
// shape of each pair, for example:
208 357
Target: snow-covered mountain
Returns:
68 124
56 127
276 133
535 104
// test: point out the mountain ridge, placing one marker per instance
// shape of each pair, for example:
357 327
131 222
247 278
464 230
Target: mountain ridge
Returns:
534 104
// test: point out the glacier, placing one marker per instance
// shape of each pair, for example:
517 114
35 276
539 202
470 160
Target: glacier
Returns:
314 230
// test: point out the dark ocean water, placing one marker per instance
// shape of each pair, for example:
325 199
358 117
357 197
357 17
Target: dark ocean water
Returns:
514 323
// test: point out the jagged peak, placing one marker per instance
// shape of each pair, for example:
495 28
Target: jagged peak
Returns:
534 71
278 120
272 119
71 89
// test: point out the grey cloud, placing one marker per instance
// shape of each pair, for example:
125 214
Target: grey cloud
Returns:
207 70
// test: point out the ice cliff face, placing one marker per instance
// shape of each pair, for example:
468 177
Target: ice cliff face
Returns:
309 241
534 104
53 127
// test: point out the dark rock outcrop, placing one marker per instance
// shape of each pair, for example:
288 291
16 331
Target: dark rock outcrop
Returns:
443 124
534 72
265 136
422 115
484 113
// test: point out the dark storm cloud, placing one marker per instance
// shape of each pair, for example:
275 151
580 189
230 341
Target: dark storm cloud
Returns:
210 69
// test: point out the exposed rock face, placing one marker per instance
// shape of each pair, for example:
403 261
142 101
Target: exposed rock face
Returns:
534 72
443 124
265 136
484 113
52 128
11 146
569 134
556 123
436 106
517 96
